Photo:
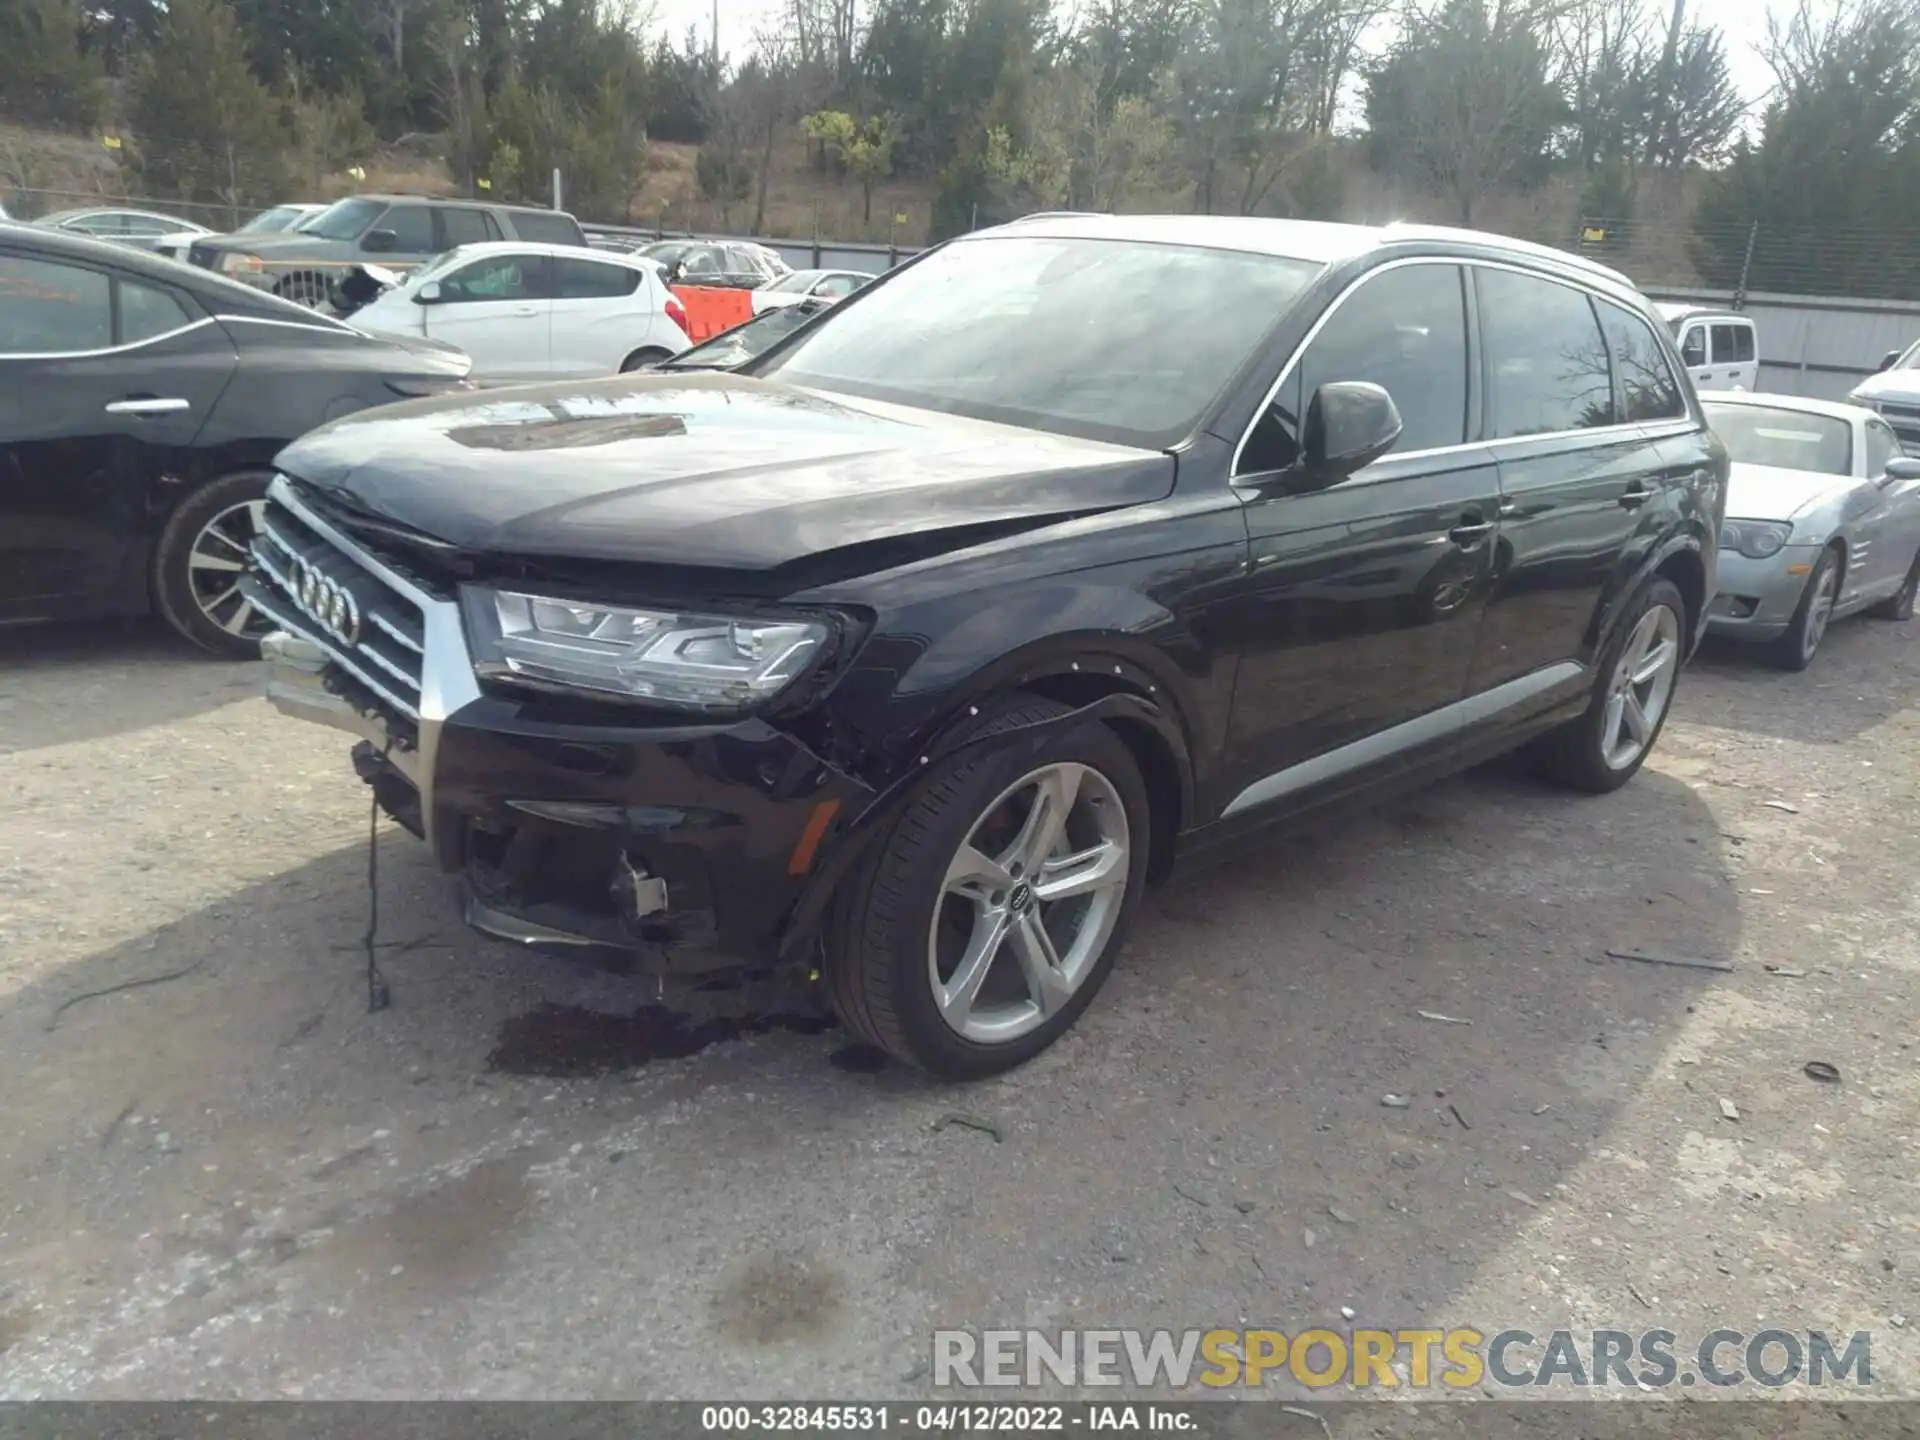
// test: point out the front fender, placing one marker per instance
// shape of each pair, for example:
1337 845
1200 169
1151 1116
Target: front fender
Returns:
809 911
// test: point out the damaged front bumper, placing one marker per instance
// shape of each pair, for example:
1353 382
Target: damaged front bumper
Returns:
692 847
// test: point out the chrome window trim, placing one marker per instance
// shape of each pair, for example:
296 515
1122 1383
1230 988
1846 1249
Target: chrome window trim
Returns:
109 350
1464 262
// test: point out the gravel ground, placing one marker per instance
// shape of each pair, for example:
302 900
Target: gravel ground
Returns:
232 1181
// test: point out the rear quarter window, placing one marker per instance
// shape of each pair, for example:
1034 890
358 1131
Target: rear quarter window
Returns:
547 227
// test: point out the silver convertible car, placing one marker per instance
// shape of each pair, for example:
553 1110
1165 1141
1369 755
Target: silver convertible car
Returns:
1823 521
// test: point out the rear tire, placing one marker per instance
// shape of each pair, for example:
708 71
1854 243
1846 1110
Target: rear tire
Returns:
1795 649
1638 673
1899 605
953 880
193 587
641 359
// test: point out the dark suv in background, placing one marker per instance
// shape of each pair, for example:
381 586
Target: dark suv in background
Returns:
911 649
397 232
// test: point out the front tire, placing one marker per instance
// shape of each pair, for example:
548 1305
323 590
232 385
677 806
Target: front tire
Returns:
986 918
199 560
1795 649
1638 671
641 359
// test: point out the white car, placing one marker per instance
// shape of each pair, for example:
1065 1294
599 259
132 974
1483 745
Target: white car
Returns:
807 284
1720 348
537 312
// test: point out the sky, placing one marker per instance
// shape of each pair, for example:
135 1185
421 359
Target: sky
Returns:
1742 21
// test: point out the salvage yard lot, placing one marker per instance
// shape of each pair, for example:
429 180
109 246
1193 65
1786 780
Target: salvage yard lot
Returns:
235 1181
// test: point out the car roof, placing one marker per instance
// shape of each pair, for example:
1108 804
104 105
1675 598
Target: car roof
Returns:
456 200
216 292
1325 242
1686 310
1806 404
114 210
481 248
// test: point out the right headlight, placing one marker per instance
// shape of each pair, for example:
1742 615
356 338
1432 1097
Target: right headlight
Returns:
1755 539
714 663
235 262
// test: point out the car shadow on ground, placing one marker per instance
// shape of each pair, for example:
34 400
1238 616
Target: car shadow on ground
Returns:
215 1094
1863 659
67 684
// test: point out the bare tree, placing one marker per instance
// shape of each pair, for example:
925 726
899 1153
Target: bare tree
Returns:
1466 100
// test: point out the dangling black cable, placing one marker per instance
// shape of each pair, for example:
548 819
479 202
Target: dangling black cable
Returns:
379 996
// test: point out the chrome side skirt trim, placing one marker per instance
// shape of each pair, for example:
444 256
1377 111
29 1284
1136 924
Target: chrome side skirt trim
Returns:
1425 729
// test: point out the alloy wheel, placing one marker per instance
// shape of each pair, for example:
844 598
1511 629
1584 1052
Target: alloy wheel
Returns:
217 561
1028 903
1820 611
1641 687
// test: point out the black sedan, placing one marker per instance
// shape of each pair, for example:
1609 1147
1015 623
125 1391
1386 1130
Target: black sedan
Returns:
141 406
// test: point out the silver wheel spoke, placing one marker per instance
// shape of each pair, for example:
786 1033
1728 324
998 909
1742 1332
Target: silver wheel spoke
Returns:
1654 661
1636 717
1040 963
976 875
238 621
1054 792
213 532
1084 870
200 560
1611 726
959 993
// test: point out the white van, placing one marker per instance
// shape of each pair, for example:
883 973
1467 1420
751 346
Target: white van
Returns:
1720 348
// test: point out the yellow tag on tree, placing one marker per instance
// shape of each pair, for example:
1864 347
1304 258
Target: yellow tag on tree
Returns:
112 142
484 183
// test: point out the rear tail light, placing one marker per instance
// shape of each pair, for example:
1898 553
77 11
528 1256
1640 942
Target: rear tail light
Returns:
677 313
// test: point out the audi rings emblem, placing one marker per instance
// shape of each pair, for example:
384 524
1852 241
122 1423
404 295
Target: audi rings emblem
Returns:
327 601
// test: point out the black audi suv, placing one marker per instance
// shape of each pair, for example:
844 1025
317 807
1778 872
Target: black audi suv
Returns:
909 651
141 405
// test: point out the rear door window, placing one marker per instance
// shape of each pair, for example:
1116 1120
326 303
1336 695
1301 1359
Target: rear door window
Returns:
51 309
547 227
1546 360
467 227
1647 387
580 279
147 311
1728 342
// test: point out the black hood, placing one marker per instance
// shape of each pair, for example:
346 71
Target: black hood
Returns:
702 470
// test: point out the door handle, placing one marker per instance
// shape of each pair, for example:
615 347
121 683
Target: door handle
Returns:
1470 531
148 405
527 310
1635 496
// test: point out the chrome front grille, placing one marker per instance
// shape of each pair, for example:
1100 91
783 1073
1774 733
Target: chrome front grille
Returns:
344 603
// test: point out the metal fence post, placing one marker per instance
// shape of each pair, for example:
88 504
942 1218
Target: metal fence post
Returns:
1746 267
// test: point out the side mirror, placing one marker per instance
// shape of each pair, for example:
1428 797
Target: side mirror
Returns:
1903 467
380 241
1349 425
1887 361
427 294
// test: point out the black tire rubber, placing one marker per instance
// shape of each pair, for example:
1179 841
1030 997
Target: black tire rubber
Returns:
1899 605
651 355
875 968
1572 754
1786 652
172 586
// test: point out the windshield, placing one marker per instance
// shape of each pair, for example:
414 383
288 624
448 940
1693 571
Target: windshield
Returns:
344 219
1113 339
1788 439
1910 360
794 284
269 222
